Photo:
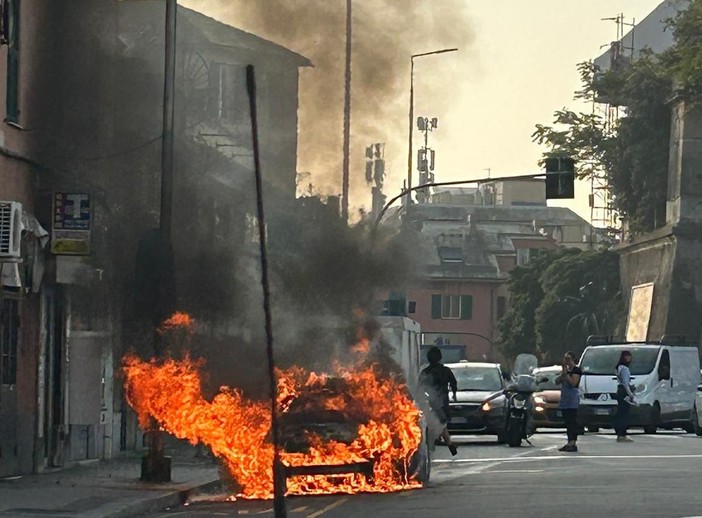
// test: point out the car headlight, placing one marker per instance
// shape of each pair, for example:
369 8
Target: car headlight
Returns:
486 406
539 400
641 387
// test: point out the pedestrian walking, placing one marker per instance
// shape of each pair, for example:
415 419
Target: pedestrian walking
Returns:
569 379
435 381
625 396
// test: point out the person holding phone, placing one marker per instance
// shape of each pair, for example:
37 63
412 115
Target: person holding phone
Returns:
625 396
569 379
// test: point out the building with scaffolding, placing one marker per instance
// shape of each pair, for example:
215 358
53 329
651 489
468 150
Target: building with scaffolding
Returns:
632 39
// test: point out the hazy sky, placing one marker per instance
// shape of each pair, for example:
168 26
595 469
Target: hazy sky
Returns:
515 67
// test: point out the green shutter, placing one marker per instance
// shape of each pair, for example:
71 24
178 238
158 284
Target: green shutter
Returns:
436 306
466 307
12 96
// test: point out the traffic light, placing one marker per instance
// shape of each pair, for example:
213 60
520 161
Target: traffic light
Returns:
560 178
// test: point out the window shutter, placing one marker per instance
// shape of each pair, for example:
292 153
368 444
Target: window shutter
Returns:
466 307
12 94
436 306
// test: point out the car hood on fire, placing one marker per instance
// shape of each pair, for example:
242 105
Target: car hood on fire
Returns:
475 396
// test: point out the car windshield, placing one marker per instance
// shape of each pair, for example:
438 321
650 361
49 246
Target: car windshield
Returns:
546 380
478 378
603 360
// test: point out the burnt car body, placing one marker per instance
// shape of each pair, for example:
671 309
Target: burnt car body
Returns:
309 417
481 406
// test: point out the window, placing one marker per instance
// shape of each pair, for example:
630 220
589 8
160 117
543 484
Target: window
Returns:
522 256
229 83
501 306
9 329
11 11
450 306
447 307
664 366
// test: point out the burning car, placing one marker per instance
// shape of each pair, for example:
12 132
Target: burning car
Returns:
354 429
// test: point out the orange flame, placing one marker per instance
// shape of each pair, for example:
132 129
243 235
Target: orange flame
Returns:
178 320
386 424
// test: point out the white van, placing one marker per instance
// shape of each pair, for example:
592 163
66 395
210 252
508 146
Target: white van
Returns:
665 378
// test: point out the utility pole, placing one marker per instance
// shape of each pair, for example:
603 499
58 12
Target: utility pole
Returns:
155 466
347 118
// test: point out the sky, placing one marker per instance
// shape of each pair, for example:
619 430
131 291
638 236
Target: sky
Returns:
515 67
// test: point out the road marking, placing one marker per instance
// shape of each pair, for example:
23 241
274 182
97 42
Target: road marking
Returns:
327 508
478 469
518 471
299 509
558 457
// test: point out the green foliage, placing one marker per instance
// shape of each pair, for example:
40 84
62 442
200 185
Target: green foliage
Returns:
560 299
517 327
632 153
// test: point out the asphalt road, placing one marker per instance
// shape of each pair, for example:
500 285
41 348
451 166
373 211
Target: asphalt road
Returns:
656 476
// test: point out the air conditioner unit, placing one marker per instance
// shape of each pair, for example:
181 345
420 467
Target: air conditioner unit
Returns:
10 228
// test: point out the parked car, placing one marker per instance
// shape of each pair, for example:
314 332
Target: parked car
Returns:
547 398
481 406
665 379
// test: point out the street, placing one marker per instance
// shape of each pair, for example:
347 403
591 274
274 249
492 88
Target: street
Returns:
655 476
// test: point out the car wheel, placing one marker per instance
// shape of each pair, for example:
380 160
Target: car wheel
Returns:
502 437
655 420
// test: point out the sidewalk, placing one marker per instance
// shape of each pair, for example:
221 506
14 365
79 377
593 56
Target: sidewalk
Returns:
106 489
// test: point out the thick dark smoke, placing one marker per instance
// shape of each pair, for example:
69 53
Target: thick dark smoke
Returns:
385 34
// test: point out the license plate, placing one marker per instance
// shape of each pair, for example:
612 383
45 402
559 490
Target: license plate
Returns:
602 411
459 420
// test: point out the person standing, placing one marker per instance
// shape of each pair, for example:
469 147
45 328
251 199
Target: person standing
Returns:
436 380
569 378
625 396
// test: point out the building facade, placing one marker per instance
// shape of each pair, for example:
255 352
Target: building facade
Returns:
80 150
468 240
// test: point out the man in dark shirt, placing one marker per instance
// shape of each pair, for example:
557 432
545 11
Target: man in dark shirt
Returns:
435 381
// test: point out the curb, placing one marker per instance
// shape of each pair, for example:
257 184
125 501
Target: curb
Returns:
176 497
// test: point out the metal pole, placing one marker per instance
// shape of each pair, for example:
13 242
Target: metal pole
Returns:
278 477
168 109
347 118
409 136
156 467
411 118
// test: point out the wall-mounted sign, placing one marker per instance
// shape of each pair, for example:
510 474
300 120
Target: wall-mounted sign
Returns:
639 312
72 221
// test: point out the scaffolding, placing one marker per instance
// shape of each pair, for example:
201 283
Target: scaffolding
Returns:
603 215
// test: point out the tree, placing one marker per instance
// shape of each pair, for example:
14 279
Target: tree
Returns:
517 328
581 298
558 300
632 154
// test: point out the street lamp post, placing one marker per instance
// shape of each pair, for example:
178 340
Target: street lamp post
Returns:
411 114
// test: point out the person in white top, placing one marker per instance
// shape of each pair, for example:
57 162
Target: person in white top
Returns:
625 396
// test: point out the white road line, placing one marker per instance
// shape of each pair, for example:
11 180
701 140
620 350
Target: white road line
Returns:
518 458
518 471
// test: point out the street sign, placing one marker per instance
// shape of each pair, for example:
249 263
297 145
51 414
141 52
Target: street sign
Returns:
71 224
560 178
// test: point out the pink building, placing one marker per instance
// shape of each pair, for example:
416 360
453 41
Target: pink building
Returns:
468 241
